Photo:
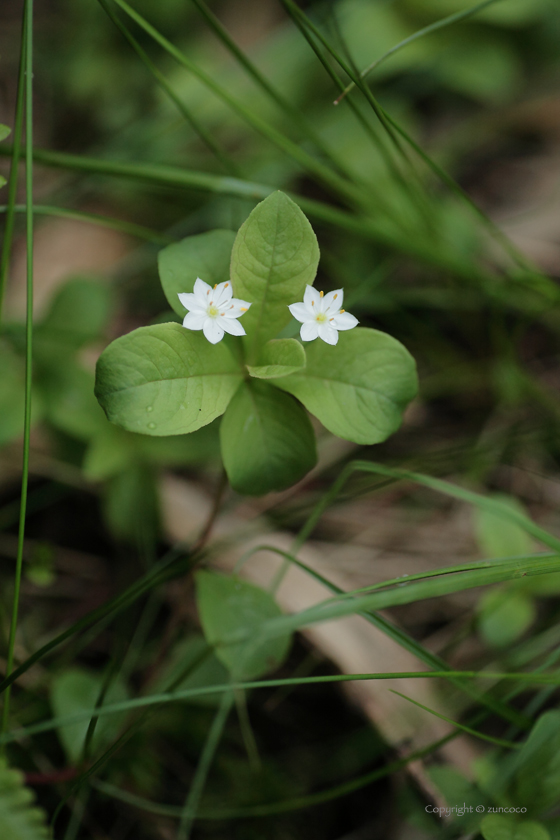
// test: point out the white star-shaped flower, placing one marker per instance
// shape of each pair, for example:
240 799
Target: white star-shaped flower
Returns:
213 310
321 315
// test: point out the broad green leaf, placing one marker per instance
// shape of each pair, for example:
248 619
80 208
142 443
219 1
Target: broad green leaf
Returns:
20 819
70 403
536 768
78 690
113 450
229 607
78 314
131 505
3 181
504 614
267 440
358 388
5 131
12 394
498 827
275 256
499 537
207 256
279 357
201 667
165 380
109 453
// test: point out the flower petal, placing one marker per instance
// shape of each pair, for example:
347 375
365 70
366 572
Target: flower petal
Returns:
212 330
333 300
345 321
311 298
202 290
309 331
235 308
191 302
222 294
300 312
231 326
194 321
328 333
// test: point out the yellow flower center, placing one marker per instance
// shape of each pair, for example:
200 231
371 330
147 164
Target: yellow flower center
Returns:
213 311
321 317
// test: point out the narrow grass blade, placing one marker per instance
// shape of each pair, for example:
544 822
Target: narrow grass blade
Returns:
188 694
14 171
206 137
120 225
340 186
498 742
190 809
427 30
28 41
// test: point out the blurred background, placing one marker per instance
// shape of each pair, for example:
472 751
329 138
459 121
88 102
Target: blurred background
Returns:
135 150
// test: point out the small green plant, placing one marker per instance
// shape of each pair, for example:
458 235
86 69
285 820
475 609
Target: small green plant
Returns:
170 379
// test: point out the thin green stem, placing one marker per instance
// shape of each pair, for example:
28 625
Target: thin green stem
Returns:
427 30
206 137
252 70
343 188
498 742
188 694
130 228
196 789
28 36
14 170
172 564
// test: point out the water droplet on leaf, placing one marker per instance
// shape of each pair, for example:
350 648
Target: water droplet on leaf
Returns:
151 425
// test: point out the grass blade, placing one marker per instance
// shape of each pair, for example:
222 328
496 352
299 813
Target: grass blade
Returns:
28 42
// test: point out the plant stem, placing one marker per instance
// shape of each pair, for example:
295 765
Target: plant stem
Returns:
28 47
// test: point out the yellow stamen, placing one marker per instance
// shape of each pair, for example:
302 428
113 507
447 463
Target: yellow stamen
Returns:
227 284
321 293
335 297
231 307
342 310
215 285
222 314
331 319
242 309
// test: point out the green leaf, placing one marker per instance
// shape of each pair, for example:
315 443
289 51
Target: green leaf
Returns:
504 614
20 819
201 667
109 453
78 314
69 399
267 440
229 607
165 380
536 768
279 357
207 256
275 256
499 537
78 690
498 827
131 505
359 388
3 181
5 131
12 394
